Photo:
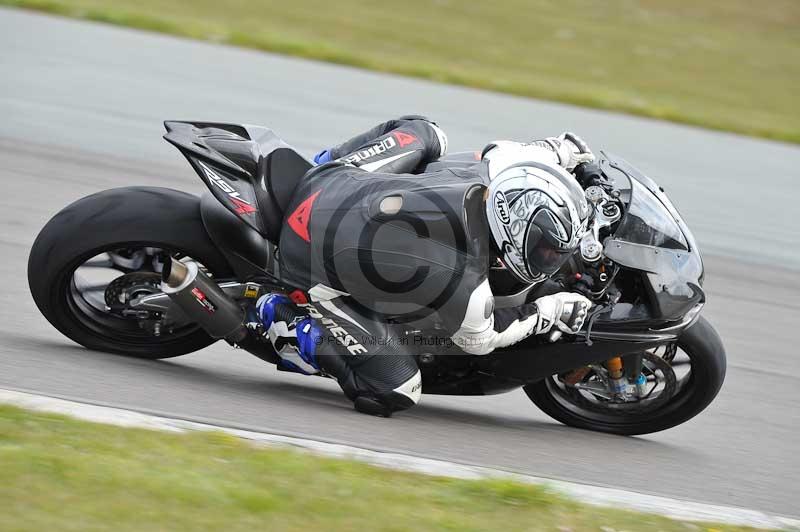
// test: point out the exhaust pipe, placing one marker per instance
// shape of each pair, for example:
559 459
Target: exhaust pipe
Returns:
203 300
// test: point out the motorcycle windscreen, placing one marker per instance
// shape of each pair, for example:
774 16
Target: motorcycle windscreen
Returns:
648 222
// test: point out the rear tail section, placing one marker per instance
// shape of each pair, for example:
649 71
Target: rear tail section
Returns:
249 169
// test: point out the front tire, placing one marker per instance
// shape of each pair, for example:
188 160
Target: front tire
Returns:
704 348
117 219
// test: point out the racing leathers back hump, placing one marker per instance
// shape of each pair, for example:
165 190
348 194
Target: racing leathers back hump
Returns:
413 248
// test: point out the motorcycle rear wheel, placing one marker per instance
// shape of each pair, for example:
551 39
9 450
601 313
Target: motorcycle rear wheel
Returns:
704 348
123 218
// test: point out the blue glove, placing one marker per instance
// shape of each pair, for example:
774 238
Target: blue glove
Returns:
323 157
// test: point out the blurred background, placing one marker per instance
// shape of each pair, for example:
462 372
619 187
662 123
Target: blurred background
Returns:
82 105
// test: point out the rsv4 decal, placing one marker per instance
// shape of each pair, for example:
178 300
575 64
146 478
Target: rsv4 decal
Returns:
242 206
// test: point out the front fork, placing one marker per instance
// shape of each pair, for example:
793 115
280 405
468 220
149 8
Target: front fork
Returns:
622 372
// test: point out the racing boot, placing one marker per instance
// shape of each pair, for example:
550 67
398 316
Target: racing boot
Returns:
294 336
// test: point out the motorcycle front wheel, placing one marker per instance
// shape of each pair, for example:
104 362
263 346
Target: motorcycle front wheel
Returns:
683 378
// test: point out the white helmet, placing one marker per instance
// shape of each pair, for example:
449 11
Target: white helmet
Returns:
537 214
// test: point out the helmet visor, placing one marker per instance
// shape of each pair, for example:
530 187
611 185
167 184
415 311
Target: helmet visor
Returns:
544 256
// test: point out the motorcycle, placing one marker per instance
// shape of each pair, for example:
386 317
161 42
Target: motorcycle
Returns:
154 273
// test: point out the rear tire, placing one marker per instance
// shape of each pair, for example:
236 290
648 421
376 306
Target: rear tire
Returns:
118 218
704 346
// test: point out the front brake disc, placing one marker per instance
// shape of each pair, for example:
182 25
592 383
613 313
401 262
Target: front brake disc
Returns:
654 364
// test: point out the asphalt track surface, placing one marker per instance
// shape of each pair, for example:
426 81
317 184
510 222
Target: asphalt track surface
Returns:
81 107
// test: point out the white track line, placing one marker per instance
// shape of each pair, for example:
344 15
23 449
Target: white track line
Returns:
595 495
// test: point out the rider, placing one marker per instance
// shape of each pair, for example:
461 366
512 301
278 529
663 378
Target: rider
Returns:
377 250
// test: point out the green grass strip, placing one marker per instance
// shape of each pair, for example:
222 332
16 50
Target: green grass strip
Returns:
57 473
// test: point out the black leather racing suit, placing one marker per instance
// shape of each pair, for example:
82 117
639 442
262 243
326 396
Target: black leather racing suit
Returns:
379 252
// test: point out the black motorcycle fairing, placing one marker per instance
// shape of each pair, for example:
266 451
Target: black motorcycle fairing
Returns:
535 359
249 169
673 277
660 244
247 251
529 361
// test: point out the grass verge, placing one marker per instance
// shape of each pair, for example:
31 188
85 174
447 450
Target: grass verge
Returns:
729 65
57 473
